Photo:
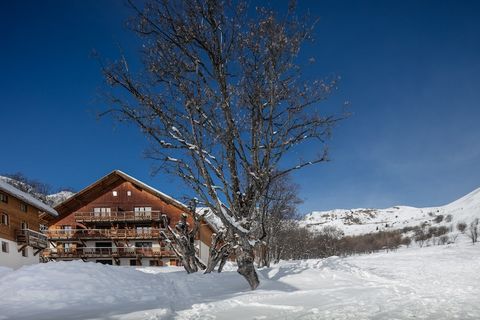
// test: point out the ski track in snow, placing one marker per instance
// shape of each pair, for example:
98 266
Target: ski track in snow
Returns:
439 282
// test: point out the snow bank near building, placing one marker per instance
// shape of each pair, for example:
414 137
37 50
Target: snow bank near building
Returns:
440 282
4 271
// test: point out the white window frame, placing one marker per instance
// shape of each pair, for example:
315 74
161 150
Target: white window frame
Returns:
102 212
5 219
143 211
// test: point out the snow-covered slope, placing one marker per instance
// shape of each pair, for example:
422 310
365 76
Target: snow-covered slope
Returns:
57 198
438 282
361 221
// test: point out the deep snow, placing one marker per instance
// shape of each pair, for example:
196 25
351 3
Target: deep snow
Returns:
440 282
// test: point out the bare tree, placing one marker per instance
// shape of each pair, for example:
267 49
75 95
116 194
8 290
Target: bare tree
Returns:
220 250
473 230
277 207
222 97
184 236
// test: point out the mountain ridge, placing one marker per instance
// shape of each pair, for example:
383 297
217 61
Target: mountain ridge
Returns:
366 220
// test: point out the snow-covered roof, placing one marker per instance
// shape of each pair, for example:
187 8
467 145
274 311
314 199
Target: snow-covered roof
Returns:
19 194
210 218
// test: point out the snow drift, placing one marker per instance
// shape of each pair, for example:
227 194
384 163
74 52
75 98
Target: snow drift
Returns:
440 282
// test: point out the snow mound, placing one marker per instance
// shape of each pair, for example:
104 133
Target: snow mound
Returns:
440 282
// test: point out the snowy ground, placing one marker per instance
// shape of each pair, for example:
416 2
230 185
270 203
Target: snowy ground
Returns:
441 282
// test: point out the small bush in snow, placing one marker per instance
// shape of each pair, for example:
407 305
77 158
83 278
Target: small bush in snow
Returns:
421 237
448 218
407 229
473 230
407 241
438 218
443 240
453 238
437 231
461 226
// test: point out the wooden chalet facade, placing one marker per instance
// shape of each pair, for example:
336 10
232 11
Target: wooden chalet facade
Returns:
22 218
118 220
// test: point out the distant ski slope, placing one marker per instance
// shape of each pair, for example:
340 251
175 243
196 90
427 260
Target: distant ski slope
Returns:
361 221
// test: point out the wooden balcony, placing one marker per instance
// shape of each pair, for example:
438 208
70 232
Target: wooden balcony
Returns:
98 234
27 237
120 216
112 252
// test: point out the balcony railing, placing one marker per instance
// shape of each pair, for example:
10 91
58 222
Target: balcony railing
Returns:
124 216
86 234
110 252
31 238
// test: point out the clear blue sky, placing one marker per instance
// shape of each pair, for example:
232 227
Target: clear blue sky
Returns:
409 68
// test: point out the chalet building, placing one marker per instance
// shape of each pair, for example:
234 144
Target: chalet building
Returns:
118 220
22 218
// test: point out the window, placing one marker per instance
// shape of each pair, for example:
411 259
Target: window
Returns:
115 193
23 207
144 231
102 212
24 252
24 225
103 244
43 228
143 212
4 246
154 263
3 198
133 262
143 244
129 193
5 219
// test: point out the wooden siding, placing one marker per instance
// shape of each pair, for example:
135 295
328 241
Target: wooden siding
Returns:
123 205
16 216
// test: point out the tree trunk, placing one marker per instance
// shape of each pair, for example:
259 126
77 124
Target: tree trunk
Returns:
222 263
245 261
219 252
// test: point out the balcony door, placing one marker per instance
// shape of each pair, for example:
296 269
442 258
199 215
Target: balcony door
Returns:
102 212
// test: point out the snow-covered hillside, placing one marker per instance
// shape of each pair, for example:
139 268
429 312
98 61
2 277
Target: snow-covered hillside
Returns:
437 282
361 221
59 197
